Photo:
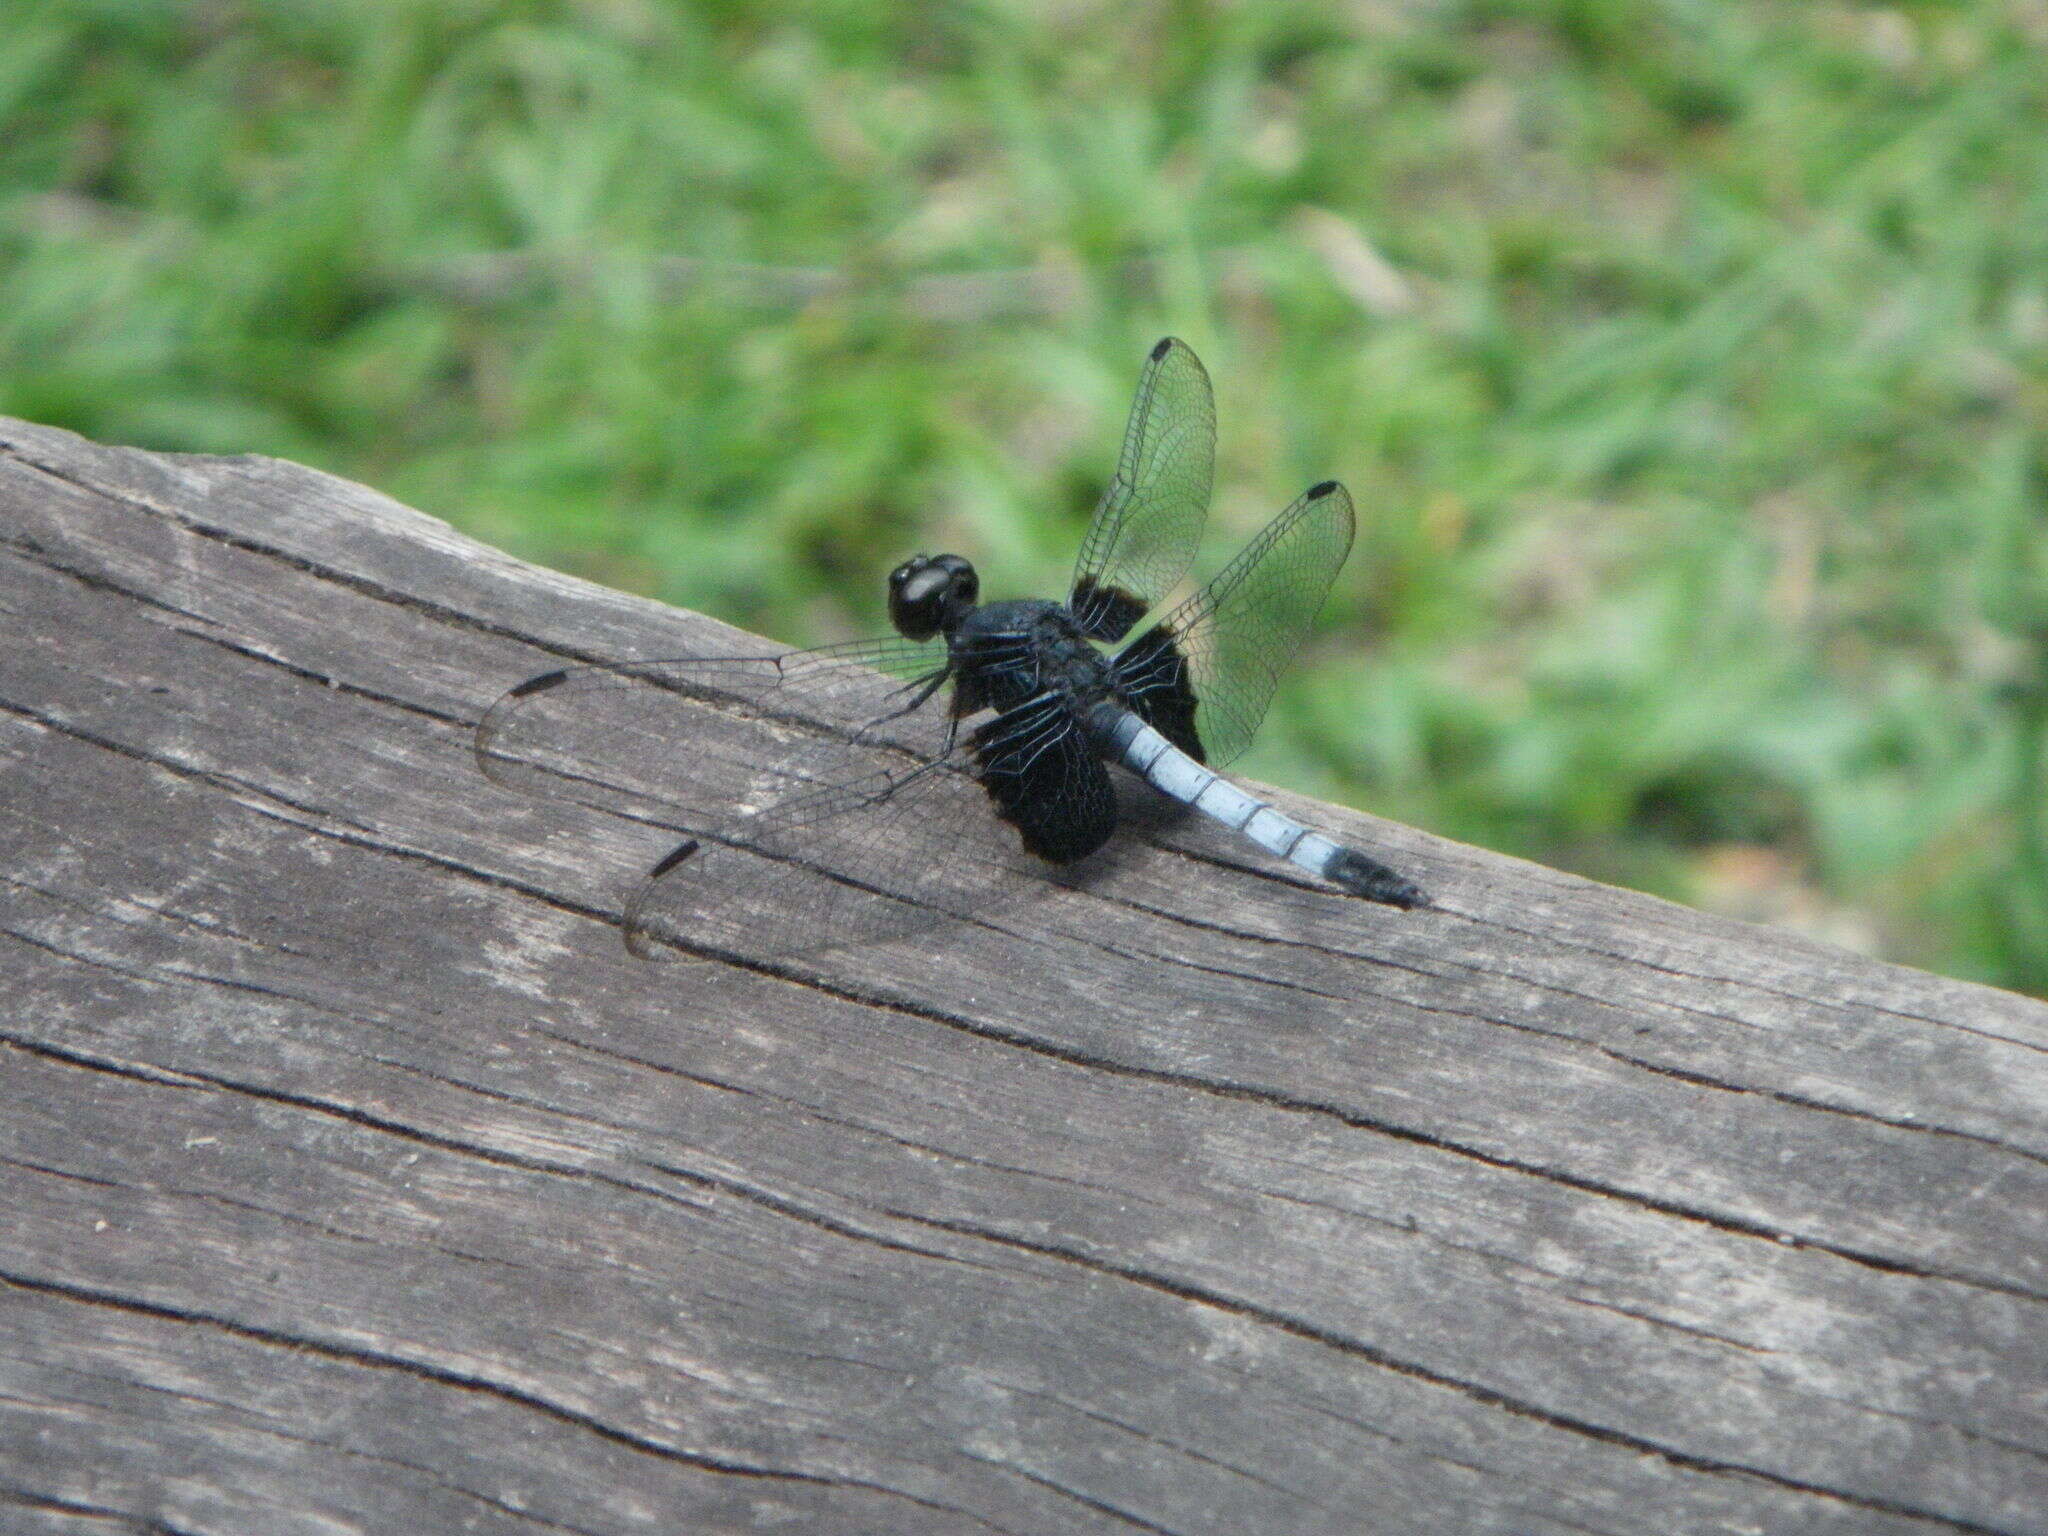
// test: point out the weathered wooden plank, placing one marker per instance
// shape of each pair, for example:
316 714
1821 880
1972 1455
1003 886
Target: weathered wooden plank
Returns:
355 1175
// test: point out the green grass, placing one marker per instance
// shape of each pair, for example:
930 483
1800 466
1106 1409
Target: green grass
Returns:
1689 361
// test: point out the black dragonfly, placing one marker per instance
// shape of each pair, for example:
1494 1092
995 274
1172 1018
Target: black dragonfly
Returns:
958 764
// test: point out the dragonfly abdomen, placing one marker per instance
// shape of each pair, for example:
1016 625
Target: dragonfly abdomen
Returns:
1172 772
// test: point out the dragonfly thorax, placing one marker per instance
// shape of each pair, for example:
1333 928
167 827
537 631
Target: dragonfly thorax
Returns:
1005 653
931 593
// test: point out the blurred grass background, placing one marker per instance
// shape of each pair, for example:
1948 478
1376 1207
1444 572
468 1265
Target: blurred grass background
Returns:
1688 360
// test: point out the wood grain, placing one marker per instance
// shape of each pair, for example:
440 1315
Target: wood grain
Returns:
353 1179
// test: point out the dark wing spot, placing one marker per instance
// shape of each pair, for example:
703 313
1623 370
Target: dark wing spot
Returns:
1321 489
673 859
1153 678
536 684
1162 347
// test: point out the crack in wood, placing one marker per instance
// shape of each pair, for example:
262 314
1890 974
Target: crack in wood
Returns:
209 776
335 684
1621 958
424 1370
1251 1311
140 1072
1276 1099
1488 1396
279 1430
792 1211
1803 999
50 1503
1722 1221
159 913
1172 1447
1086 1501
34 553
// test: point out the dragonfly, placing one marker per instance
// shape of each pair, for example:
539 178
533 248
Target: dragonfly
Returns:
858 791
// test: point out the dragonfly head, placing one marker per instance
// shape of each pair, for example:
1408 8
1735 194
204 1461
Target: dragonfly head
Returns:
930 593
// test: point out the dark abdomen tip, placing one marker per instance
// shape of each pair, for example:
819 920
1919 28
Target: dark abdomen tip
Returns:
1371 879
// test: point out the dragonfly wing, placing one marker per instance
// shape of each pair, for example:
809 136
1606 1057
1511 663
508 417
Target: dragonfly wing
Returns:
870 842
655 738
1204 675
1150 518
848 808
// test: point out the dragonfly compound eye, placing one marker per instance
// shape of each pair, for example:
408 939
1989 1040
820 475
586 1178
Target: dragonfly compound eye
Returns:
927 593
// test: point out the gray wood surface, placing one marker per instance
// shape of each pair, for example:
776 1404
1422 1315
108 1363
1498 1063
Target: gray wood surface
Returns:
352 1178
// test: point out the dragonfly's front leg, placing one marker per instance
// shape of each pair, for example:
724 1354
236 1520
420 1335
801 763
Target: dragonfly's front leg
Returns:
930 686
925 687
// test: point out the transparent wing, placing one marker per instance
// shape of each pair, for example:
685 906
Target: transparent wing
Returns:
1150 518
646 735
1206 672
823 798
852 847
